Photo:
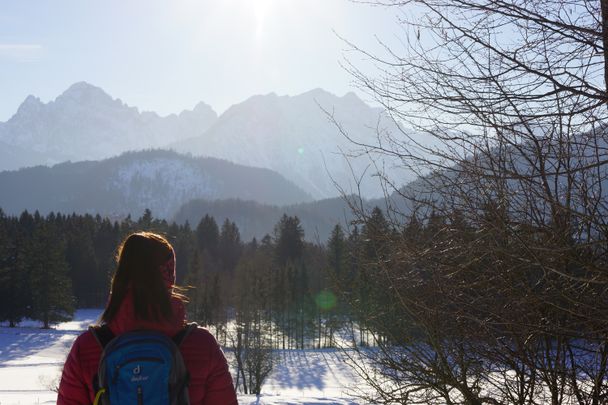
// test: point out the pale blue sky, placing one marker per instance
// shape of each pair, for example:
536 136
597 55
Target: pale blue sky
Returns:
167 55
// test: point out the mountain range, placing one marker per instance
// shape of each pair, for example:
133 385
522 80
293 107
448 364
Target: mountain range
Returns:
85 123
87 152
297 136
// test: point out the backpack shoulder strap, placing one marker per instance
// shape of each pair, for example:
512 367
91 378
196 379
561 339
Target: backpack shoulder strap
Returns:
103 334
182 334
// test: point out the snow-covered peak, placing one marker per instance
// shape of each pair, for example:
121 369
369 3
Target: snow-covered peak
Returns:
85 115
201 110
84 92
269 98
311 100
295 136
30 105
352 97
314 93
201 106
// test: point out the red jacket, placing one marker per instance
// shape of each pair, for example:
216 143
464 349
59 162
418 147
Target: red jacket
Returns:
210 380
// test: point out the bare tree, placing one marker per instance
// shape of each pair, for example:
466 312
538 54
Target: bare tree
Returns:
497 295
251 337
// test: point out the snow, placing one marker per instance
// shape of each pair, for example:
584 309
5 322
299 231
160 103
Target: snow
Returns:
85 116
182 180
31 359
291 135
294 136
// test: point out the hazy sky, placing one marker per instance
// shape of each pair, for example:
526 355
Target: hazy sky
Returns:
167 55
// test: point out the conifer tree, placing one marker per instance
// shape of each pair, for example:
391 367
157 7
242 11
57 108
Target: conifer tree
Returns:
289 239
145 221
14 294
52 299
375 234
83 265
339 279
194 280
336 251
184 243
229 246
207 235
106 237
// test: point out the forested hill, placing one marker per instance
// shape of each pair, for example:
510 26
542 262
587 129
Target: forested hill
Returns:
159 180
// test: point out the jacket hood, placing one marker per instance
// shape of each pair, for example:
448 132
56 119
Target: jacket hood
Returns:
125 320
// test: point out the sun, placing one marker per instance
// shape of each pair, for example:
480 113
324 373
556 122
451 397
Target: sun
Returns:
260 12
248 20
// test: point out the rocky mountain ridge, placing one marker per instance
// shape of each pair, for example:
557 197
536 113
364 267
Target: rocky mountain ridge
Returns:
307 138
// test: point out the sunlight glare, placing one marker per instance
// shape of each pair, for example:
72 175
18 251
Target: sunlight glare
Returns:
260 10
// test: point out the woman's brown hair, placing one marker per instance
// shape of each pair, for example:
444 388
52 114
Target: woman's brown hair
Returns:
140 258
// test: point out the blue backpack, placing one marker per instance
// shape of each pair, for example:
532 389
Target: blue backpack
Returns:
141 367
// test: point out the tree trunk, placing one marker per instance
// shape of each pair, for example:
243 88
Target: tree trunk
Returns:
319 344
605 44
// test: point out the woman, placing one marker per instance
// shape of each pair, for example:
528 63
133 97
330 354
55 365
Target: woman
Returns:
142 297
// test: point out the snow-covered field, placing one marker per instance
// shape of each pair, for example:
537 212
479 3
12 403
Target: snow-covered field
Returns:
31 359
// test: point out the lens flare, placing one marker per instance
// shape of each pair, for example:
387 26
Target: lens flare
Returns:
326 300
